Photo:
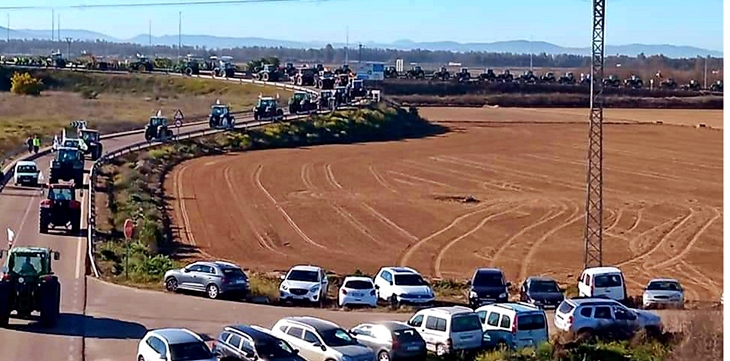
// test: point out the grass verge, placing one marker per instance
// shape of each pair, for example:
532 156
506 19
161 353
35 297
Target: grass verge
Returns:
111 102
130 186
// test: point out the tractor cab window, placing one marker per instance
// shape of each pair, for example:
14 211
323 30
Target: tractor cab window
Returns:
299 96
67 155
61 194
28 264
71 143
158 121
219 110
266 103
90 136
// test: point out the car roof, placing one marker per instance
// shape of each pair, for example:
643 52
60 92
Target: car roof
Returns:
519 307
67 148
29 249
267 98
357 278
175 336
488 270
316 323
392 325
451 310
540 278
400 270
60 186
302 267
255 333
588 301
220 264
662 280
25 162
606 269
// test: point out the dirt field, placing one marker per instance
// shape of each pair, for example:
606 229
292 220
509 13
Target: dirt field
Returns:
363 206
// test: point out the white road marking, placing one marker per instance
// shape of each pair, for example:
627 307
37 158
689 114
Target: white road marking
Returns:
84 205
22 221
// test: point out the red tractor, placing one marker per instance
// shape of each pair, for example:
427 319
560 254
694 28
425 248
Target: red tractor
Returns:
60 209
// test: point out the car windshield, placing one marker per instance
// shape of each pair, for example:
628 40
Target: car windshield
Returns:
535 321
27 264
359 285
267 102
273 349
461 323
190 351
488 279
219 110
663 286
234 273
27 169
303 276
613 280
409 280
61 194
90 136
544 286
337 337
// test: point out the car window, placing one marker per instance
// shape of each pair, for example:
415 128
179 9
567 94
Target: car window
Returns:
234 273
587 280
274 349
282 328
190 351
154 343
359 285
461 323
663 286
303 276
407 335
224 336
26 169
416 321
195 268
295 331
363 330
529 322
482 316
409 280
623 314
586 311
235 340
247 345
441 325
386 276
544 286
613 280
488 279
602 312
337 337
61 194
493 319
310 337
506 322
565 307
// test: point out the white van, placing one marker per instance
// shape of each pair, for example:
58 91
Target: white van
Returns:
448 329
513 324
605 282
26 173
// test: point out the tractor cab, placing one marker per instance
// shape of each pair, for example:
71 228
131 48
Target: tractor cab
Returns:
325 97
89 136
357 88
301 102
219 110
156 121
267 109
60 209
28 285
157 128
341 95
29 263
220 116
66 155
68 165
343 79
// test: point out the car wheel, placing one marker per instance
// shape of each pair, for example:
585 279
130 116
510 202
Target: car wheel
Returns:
171 284
440 350
140 358
383 356
212 291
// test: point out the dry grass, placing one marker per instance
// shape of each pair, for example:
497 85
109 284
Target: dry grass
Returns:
702 341
121 102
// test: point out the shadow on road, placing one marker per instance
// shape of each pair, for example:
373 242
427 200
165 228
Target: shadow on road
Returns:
76 325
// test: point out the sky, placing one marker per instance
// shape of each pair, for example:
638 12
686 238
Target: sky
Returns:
563 22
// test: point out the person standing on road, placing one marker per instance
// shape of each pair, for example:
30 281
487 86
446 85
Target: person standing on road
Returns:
36 144
29 143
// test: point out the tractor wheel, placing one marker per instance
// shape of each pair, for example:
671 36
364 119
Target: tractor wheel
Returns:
5 307
50 299
76 223
265 76
230 73
256 116
299 81
79 181
43 223
188 71
319 85
52 177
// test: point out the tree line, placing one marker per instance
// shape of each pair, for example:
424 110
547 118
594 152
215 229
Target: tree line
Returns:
331 55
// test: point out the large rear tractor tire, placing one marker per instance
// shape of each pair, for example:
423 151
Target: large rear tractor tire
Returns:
52 177
50 299
4 304
265 76
299 81
43 223
76 223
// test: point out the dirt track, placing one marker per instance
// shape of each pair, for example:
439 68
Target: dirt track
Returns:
363 206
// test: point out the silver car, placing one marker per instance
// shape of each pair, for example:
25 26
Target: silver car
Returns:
214 278
593 316
321 340
663 292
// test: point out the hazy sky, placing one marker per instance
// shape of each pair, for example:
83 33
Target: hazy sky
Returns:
563 22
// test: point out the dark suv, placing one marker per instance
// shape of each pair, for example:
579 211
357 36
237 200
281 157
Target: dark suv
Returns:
542 292
488 285
251 343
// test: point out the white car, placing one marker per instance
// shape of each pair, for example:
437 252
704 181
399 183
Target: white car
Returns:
402 285
170 344
606 282
26 173
591 316
357 291
663 292
304 283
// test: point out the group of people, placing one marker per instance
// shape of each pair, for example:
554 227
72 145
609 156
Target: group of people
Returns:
33 143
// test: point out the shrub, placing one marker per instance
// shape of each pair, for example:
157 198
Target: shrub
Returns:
25 84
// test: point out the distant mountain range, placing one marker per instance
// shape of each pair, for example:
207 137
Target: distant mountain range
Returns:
513 46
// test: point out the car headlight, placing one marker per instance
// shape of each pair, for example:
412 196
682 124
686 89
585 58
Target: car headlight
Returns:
675 297
314 288
284 286
502 295
348 358
473 294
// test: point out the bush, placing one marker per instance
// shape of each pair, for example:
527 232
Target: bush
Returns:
25 84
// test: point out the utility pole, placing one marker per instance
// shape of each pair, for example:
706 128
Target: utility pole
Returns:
58 28
179 33
68 46
706 71
531 52
8 28
53 24
149 32
359 60
347 45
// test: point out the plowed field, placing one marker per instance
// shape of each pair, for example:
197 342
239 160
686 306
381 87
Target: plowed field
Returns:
348 207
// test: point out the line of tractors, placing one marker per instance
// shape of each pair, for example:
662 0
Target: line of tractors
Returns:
529 77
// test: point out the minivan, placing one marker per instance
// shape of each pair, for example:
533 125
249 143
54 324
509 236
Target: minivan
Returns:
607 282
513 324
448 329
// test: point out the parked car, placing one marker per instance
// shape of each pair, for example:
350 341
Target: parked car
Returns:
448 329
597 316
172 344
214 278
542 292
402 285
602 282
391 341
249 343
357 291
26 173
663 292
321 340
488 285
513 325
304 283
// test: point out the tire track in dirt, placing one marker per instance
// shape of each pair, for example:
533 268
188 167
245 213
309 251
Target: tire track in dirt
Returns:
691 292
282 211
616 219
265 243
639 214
544 219
660 243
712 286
635 242
406 256
463 176
444 249
331 177
411 184
424 180
535 246
306 178
389 222
504 185
690 244
182 213
380 179
357 224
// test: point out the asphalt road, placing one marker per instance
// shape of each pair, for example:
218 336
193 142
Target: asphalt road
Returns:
100 321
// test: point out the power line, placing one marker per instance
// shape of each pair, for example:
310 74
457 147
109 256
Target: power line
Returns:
151 4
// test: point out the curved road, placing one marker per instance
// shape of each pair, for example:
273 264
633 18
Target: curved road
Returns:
101 321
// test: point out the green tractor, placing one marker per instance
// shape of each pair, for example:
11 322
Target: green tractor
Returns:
716 86
29 285
67 165
157 129
56 60
142 64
